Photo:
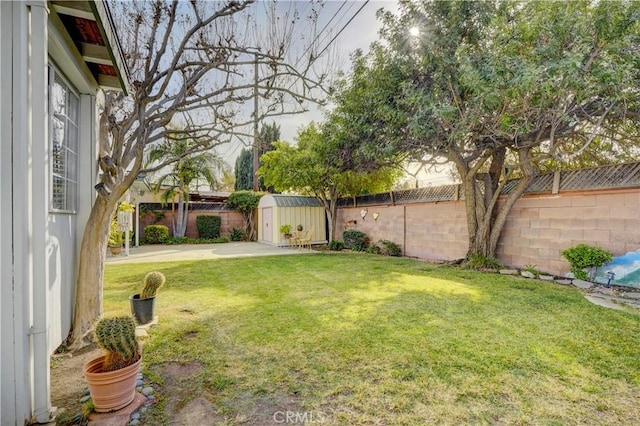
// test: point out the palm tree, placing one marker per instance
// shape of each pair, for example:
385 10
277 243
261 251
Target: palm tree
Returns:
185 172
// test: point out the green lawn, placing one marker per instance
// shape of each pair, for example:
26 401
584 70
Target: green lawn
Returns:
363 339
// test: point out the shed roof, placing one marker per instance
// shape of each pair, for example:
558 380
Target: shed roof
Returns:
296 201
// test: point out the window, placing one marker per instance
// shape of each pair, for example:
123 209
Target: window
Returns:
64 144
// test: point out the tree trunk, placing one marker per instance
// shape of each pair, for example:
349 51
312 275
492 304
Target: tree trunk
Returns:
180 222
485 217
333 218
89 282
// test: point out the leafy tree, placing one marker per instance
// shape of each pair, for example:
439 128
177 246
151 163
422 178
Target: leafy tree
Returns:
246 202
269 133
183 174
191 66
495 88
310 168
244 170
227 179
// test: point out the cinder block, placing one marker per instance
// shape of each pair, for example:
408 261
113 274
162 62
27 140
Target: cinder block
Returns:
571 234
560 201
624 212
555 213
610 199
547 233
533 202
531 233
632 199
599 212
540 223
548 254
583 201
597 235
622 237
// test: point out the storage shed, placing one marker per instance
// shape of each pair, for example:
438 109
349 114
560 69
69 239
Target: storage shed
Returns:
275 210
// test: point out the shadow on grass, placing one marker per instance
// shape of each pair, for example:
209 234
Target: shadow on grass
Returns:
348 334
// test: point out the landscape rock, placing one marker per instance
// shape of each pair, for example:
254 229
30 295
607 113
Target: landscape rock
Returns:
508 272
605 302
528 274
147 391
546 277
582 284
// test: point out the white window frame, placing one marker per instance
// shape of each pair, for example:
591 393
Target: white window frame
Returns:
65 175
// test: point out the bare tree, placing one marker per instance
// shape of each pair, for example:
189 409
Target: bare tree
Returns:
193 67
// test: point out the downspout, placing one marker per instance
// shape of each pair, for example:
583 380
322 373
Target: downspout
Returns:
38 187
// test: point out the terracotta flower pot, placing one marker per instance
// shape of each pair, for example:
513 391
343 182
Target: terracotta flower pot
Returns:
111 390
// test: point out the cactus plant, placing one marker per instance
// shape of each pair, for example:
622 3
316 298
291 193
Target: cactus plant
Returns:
118 337
152 282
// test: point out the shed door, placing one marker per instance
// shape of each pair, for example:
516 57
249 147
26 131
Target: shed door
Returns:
267 224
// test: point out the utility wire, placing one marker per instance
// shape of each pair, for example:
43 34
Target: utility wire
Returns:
343 28
317 37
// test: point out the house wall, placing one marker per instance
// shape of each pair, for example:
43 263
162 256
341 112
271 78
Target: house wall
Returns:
537 230
38 252
14 294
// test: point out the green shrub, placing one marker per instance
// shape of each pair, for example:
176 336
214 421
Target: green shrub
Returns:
285 229
480 261
335 245
373 249
355 240
237 234
187 240
208 226
116 237
156 234
583 257
389 248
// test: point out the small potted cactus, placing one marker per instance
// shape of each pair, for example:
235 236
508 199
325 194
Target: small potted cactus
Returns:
143 304
112 376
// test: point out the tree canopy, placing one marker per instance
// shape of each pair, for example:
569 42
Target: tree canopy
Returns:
179 179
496 88
317 166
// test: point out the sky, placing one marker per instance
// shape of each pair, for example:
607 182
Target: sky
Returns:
359 34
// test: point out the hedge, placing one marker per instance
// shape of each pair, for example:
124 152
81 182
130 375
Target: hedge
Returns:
156 234
208 226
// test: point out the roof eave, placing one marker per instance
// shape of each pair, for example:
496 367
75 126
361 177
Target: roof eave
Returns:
105 22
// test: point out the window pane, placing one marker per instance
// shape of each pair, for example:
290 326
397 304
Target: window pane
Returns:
64 146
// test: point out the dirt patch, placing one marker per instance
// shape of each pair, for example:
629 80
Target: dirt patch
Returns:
198 411
67 381
182 406
279 409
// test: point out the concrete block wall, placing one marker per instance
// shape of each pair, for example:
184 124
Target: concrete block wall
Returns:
539 227
434 231
229 219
